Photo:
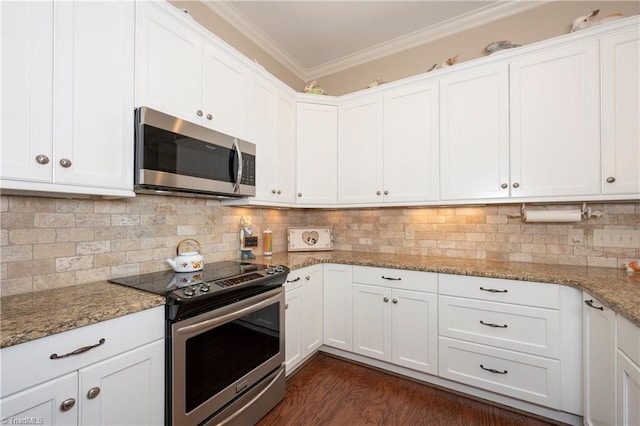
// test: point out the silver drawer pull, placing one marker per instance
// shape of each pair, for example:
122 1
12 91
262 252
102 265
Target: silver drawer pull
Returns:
493 290
491 370
489 324
590 304
391 278
78 351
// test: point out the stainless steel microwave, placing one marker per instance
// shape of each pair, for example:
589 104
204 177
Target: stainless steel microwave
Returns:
173 156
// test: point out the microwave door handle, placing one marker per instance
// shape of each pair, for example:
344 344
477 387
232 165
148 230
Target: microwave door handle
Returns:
236 184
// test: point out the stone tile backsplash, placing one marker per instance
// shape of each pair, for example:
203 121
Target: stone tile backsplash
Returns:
49 242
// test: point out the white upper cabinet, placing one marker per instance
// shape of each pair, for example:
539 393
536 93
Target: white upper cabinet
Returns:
620 57
411 141
474 134
284 149
67 97
181 73
555 122
316 165
388 146
360 150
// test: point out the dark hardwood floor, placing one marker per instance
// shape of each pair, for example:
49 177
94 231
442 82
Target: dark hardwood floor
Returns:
332 391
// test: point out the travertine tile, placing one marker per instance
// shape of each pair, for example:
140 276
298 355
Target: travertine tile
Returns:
32 236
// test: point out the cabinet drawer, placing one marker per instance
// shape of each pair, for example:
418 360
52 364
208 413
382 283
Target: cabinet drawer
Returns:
29 364
499 290
629 339
519 328
294 280
527 377
396 278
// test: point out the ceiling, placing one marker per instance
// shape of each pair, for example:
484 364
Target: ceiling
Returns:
315 38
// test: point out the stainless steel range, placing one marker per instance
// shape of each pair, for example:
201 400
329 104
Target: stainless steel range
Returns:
225 341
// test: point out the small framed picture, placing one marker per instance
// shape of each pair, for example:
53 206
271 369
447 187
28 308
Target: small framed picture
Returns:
309 239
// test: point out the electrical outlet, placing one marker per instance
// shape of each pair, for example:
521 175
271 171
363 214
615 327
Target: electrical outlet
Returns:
576 236
623 238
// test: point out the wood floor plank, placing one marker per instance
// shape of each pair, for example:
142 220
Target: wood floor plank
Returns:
331 391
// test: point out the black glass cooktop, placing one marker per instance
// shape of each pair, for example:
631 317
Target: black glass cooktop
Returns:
217 275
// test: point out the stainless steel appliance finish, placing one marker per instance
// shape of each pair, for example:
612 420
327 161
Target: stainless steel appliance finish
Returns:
173 156
225 341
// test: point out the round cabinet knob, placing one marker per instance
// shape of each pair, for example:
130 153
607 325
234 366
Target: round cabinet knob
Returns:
299 194
386 192
394 300
378 193
611 179
67 404
504 186
209 116
307 278
93 392
386 299
516 185
42 159
199 113
286 306
65 162
278 192
273 191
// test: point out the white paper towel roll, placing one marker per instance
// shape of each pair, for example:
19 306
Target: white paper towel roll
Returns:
552 216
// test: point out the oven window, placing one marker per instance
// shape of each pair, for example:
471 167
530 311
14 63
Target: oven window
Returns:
222 355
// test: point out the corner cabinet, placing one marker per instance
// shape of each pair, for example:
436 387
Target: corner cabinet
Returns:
120 380
628 373
182 73
67 97
317 154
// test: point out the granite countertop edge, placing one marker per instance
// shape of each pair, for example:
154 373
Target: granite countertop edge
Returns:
30 316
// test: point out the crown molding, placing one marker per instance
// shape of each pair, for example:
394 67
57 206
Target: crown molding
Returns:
441 30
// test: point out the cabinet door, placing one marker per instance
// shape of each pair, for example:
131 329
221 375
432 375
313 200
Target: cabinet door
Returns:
43 403
474 134
284 148
168 64
27 90
360 151
312 311
620 58
93 106
337 299
224 95
599 363
415 330
293 328
372 321
555 123
317 127
125 389
261 97
411 141
628 392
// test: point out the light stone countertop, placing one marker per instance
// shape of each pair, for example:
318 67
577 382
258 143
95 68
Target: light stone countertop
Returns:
31 316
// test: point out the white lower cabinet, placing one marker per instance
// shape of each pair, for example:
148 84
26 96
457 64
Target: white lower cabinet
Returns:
119 380
303 315
599 363
512 337
628 373
396 322
337 306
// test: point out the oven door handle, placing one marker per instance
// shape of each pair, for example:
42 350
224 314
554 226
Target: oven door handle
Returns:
213 322
253 400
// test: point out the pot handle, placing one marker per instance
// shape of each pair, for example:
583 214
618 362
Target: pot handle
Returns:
187 239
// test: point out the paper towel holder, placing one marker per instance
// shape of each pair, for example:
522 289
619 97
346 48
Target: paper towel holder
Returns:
585 212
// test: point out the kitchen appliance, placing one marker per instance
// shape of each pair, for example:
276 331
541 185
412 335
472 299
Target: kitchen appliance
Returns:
187 261
224 341
173 156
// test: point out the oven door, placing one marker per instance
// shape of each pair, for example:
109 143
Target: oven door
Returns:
219 355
